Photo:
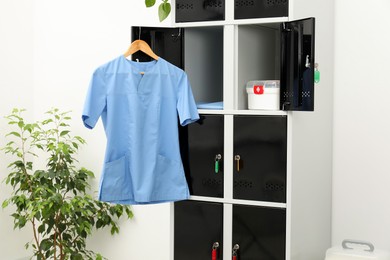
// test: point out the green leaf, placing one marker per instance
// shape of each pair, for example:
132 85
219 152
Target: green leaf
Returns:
10 143
114 229
45 244
14 133
21 124
150 3
81 140
47 121
99 257
64 133
163 11
5 204
41 228
129 213
89 173
99 224
28 127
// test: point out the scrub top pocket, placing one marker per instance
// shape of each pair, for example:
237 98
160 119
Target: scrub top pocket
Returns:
169 172
116 183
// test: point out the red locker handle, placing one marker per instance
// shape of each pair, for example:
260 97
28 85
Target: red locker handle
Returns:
214 254
214 251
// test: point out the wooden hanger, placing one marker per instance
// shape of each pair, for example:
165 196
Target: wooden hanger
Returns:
140 45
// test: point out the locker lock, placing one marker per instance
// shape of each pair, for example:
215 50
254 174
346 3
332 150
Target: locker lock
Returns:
307 62
237 158
236 247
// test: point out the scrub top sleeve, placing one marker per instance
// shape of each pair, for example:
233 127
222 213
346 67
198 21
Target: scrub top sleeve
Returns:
95 100
186 106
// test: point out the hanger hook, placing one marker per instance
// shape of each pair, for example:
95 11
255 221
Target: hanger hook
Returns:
176 37
139 33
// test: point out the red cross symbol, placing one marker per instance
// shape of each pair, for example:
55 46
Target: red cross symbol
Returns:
258 90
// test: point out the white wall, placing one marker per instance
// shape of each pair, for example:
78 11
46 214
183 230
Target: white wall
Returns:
16 88
48 51
312 145
361 172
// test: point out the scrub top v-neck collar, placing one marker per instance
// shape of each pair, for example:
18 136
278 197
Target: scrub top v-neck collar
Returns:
141 70
145 67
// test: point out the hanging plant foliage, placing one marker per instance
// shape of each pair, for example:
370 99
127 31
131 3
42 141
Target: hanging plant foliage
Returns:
164 8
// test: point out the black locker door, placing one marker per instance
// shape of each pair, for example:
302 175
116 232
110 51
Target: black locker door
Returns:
198 225
204 171
260 232
297 65
260 155
165 42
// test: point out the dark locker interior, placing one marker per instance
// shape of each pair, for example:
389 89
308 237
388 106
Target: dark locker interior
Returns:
165 42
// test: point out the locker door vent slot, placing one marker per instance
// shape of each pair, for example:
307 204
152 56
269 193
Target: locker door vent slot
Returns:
184 6
306 94
243 184
244 3
276 2
288 95
211 182
213 4
274 186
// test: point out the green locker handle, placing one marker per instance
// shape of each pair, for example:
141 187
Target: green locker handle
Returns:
317 74
217 161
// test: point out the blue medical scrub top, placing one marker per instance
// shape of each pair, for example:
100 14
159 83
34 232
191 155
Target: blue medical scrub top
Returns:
140 117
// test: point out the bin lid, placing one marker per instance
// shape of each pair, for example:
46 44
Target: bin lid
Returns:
259 87
356 250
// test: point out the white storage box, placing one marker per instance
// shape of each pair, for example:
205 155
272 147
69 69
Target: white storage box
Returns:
356 250
263 94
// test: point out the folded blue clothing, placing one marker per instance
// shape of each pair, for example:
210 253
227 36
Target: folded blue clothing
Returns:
210 105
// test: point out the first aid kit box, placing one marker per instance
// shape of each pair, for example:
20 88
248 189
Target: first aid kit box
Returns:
263 94
356 250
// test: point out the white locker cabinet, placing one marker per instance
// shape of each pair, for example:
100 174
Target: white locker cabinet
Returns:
258 179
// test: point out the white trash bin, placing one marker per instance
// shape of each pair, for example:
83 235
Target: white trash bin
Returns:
263 94
356 250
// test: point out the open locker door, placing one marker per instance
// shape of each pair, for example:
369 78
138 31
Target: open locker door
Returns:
297 65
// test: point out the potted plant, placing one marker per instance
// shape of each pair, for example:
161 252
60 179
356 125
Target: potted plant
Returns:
54 202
